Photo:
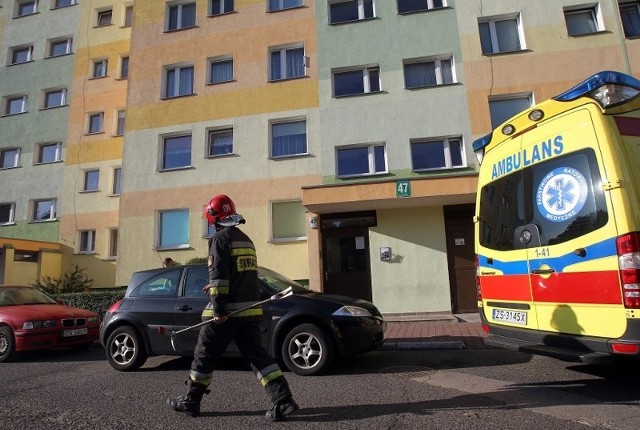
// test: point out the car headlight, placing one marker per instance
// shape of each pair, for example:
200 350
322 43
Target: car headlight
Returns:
351 311
30 325
93 319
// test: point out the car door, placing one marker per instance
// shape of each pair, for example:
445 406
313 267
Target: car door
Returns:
189 304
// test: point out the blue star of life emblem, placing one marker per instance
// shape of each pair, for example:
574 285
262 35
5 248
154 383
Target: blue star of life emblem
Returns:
561 194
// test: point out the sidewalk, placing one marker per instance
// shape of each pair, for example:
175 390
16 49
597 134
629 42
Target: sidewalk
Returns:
456 332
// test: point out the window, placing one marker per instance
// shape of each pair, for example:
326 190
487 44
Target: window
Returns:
361 160
219 7
176 152
348 11
501 35
276 5
117 181
25 7
428 73
220 142
9 158
7 213
220 70
173 229
44 210
181 16
287 63
179 81
504 107
288 221
288 138
446 153
582 21
49 153
100 68
408 6
95 123
630 14
91 180
21 54
104 18
15 105
124 67
354 82
87 242
113 243
55 98
128 16
64 3
120 115
59 47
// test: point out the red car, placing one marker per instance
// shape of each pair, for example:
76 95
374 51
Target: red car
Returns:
31 320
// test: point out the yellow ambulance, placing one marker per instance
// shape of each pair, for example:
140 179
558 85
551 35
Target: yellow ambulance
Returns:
557 224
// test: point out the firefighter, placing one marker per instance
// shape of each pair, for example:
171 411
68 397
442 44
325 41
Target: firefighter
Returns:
233 284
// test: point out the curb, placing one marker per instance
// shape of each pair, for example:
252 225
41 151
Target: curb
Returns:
404 346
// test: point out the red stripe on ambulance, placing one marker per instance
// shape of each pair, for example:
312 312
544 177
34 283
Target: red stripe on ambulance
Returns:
506 287
581 287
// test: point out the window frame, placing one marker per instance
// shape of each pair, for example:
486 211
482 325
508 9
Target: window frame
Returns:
429 6
57 151
15 50
52 43
222 8
123 67
9 101
446 149
104 17
88 182
116 181
366 72
52 210
159 230
57 5
48 92
180 25
288 121
622 8
99 68
86 241
13 152
212 62
509 97
162 162
273 218
178 69
90 123
281 5
371 159
20 3
439 77
10 207
595 14
211 132
120 123
127 15
360 7
113 243
283 52
491 21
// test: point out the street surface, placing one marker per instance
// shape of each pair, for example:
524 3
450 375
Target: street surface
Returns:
435 389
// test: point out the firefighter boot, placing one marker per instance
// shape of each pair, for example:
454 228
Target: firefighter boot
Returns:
190 403
282 408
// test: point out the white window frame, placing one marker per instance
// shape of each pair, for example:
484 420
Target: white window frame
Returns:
86 242
446 147
159 220
51 91
371 147
507 97
284 121
52 210
221 8
284 50
10 100
123 67
271 7
11 220
20 3
6 154
429 6
593 10
491 21
16 49
90 117
179 25
100 68
220 60
121 118
85 183
163 151
366 79
113 243
438 70
361 10
57 152
104 17
218 131
67 41
179 70
57 5
116 181
630 6
273 218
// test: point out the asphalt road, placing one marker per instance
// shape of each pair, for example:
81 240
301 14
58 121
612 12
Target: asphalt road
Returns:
435 389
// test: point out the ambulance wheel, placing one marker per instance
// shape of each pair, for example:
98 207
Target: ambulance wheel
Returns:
125 350
307 350
7 344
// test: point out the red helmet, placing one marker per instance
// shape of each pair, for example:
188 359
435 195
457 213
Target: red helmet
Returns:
220 208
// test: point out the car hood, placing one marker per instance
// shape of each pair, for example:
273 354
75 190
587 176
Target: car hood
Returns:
44 312
340 300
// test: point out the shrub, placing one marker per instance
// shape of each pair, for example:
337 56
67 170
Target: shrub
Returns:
196 260
74 281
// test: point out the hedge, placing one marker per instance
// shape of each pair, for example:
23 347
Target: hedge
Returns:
96 301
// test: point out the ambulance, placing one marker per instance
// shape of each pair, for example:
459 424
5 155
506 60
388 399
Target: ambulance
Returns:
557 224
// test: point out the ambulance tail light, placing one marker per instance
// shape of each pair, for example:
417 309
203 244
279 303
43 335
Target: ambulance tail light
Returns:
478 289
607 88
628 247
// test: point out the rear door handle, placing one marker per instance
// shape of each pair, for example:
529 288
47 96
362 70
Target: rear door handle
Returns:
542 271
184 308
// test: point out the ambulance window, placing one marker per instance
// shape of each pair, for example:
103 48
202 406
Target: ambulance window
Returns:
501 211
567 198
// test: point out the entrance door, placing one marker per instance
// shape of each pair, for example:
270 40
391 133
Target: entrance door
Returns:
346 265
461 257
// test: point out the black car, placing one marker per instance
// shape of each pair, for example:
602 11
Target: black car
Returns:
304 331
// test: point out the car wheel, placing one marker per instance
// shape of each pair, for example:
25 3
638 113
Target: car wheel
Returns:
7 345
307 350
125 350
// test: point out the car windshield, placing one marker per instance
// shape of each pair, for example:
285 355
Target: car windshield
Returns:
275 282
11 296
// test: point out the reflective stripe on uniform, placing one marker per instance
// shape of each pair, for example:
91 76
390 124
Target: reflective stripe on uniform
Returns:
200 378
268 374
214 291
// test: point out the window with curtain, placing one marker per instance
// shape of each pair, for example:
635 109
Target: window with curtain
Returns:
181 16
220 142
179 81
176 152
219 7
221 70
87 242
288 138
288 221
581 21
500 35
503 108
433 154
428 73
276 5
91 180
287 63
44 210
361 160
173 228
347 11
355 82
630 14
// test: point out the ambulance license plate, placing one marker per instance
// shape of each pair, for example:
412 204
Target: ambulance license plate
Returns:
75 332
514 317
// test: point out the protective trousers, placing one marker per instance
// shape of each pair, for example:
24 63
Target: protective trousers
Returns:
213 341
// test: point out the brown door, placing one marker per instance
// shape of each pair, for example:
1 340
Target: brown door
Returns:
346 264
461 257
